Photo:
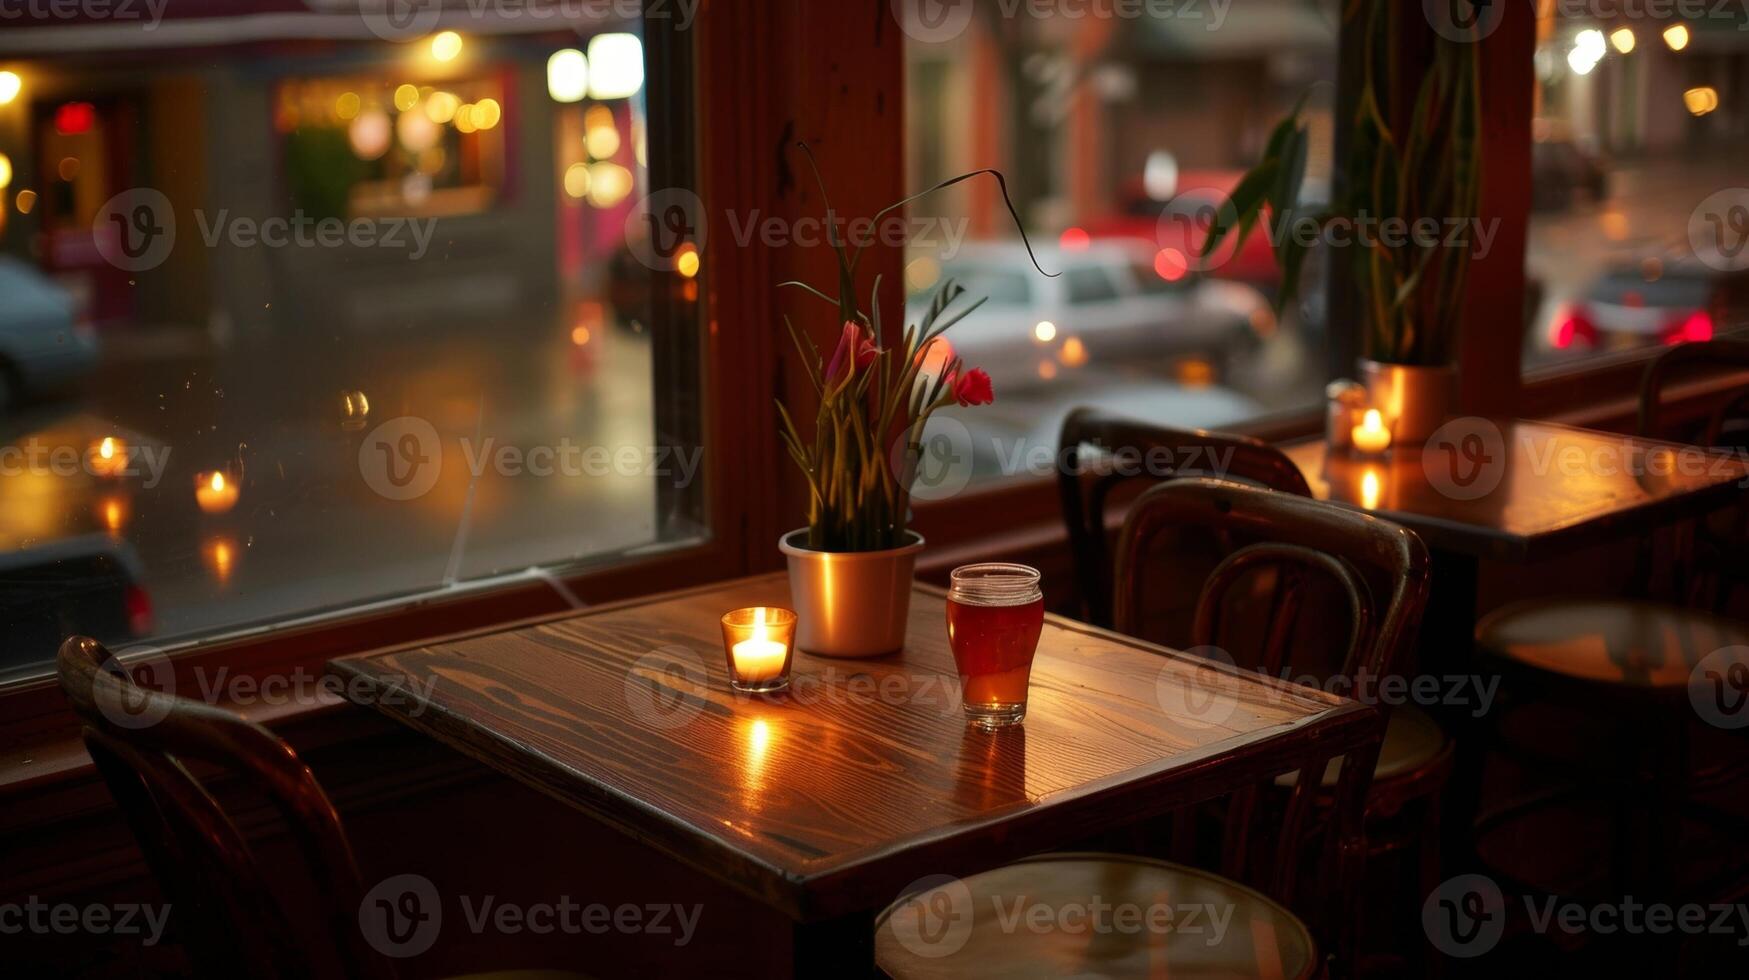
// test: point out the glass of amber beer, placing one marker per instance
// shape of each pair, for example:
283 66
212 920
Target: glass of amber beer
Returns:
995 612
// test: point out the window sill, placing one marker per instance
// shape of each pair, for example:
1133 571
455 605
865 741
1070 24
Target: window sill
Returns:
40 734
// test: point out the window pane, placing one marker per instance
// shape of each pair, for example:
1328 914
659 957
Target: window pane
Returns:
1118 136
1639 234
296 315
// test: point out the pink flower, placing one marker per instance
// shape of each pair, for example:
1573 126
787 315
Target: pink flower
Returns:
856 349
972 387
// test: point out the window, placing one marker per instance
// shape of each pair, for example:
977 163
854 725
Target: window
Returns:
1640 215
315 317
1118 133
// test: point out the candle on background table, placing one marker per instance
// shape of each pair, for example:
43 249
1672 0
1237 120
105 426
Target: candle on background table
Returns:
1371 436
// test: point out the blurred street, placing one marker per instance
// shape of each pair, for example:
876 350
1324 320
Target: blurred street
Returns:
307 529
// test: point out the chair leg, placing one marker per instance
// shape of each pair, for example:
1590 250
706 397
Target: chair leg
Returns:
1428 863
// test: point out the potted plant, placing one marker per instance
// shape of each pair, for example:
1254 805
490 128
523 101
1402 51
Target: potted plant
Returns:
1409 163
850 568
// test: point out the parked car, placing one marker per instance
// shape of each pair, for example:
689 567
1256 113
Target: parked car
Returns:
88 584
1654 300
1181 223
1110 304
42 346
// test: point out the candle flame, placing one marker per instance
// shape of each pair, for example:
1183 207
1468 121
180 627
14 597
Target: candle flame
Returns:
1374 422
218 481
759 624
107 449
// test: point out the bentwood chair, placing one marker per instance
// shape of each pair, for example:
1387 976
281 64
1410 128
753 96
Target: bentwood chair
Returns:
223 906
1381 570
1625 665
1100 451
1305 591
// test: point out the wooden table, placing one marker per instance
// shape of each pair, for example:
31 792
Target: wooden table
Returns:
827 802
1524 491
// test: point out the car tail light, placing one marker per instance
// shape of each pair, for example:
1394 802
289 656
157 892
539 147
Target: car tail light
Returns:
1569 326
1170 264
1697 326
139 609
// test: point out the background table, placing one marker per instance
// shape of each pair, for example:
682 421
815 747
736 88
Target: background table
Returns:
1549 488
827 802
1529 491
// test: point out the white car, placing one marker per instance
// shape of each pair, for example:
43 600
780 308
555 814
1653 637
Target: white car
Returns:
1109 306
42 346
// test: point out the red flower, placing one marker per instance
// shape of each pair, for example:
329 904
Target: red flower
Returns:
972 387
866 352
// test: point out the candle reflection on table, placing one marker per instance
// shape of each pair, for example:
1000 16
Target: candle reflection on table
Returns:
757 738
1369 488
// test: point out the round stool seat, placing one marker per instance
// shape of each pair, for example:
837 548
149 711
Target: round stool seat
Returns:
1608 641
1094 915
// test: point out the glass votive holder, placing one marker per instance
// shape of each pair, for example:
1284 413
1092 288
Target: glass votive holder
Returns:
759 642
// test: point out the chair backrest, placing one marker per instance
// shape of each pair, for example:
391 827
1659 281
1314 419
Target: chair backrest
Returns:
1264 575
1125 450
1680 363
143 742
1309 571
1699 568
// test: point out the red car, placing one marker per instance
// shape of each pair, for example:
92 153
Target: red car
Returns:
1177 228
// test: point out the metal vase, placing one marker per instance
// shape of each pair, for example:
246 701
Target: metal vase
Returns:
1415 399
850 603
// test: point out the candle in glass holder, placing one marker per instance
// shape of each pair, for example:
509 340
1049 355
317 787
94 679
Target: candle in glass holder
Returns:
757 642
1371 436
214 492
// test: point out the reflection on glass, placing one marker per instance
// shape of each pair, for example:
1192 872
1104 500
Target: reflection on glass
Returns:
409 292
219 552
1635 156
109 457
114 510
214 493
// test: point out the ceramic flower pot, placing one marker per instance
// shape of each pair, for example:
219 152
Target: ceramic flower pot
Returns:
850 603
1414 399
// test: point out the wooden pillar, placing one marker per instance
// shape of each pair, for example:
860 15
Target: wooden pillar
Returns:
774 72
1491 336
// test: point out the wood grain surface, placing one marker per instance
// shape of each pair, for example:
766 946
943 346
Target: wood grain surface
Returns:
1529 490
828 800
